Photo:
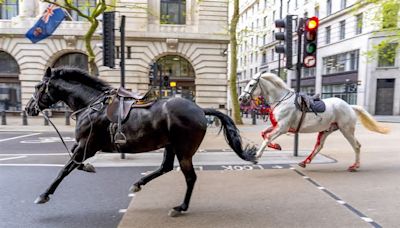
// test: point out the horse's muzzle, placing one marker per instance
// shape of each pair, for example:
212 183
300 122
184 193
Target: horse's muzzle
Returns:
31 108
244 100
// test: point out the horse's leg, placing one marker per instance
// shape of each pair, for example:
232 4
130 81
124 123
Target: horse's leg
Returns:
166 166
190 176
275 133
264 133
78 156
348 133
319 144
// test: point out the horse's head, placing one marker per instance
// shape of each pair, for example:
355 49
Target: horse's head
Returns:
42 98
252 90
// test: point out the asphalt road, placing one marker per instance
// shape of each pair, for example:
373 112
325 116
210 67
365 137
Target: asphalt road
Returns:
30 161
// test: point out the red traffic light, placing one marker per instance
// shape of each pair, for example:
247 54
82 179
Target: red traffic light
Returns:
312 23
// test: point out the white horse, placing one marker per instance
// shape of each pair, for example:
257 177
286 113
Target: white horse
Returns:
286 117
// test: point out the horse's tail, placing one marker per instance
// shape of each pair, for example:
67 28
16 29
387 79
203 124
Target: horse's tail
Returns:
368 121
232 135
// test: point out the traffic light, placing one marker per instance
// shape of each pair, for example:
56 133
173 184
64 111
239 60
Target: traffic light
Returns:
287 37
109 39
166 80
153 71
310 42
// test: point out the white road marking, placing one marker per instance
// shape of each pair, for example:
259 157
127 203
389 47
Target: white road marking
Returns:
341 202
367 219
18 137
53 154
131 194
34 165
5 159
122 210
321 188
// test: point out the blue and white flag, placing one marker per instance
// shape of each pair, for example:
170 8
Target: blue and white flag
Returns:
47 24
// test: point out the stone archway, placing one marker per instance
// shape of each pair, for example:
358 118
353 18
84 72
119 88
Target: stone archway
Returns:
180 74
10 85
74 59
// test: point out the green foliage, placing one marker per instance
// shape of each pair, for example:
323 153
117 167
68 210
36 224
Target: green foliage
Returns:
385 19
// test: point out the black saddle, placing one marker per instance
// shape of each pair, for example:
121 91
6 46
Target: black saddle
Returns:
306 103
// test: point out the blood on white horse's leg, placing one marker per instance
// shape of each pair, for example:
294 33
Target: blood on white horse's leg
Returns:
276 132
264 133
319 145
316 147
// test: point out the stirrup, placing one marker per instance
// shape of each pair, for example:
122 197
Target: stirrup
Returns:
119 138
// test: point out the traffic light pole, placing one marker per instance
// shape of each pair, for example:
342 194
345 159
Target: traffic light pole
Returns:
122 63
298 76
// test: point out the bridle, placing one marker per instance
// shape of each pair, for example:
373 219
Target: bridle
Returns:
94 101
277 102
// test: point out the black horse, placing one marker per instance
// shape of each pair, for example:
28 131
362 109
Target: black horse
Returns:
176 124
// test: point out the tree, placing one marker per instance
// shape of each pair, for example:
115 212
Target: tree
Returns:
233 66
386 19
100 7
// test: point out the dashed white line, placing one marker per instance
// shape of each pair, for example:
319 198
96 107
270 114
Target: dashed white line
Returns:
33 165
122 210
5 159
367 219
18 137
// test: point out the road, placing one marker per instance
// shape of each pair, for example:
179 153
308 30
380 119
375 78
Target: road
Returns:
29 162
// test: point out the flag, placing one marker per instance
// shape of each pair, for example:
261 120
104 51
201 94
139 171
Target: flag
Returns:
47 24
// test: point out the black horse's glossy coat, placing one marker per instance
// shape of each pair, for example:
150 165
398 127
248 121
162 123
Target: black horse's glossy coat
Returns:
176 124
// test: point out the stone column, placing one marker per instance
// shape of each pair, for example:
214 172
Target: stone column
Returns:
27 8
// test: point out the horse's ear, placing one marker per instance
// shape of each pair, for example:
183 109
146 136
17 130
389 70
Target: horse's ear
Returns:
48 73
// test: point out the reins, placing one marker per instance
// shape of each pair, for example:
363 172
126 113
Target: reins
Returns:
95 102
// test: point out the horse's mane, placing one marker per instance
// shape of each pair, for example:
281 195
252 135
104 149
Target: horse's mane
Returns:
80 76
274 79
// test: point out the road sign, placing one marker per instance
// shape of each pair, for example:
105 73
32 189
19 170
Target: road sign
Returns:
309 61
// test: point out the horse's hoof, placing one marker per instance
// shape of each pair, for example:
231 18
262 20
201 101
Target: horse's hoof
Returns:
174 213
302 164
135 188
352 169
42 199
89 168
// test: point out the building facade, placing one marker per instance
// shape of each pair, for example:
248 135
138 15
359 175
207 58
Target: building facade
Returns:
347 65
187 38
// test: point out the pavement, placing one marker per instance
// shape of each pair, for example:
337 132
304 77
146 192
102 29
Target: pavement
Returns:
322 195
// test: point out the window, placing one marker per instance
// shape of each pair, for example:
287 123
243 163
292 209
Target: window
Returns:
308 72
359 23
316 11
10 87
265 21
328 35
295 47
264 58
387 54
85 6
328 7
8 9
272 55
347 61
273 16
296 3
342 30
390 15
173 12
264 39
343 4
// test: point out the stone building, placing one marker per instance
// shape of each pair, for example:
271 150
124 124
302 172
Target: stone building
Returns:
188 38
347 32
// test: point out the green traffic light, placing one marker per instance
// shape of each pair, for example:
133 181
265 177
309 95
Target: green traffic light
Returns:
311 48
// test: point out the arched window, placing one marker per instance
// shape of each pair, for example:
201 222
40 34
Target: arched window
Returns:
77 60
176 67
10 88
173 12
178 71
8 9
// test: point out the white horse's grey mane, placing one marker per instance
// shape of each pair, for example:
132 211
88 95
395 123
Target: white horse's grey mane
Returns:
274 79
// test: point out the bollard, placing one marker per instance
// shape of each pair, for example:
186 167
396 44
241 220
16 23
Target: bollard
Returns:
24 118
46 121
67 115
253 117
3 118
